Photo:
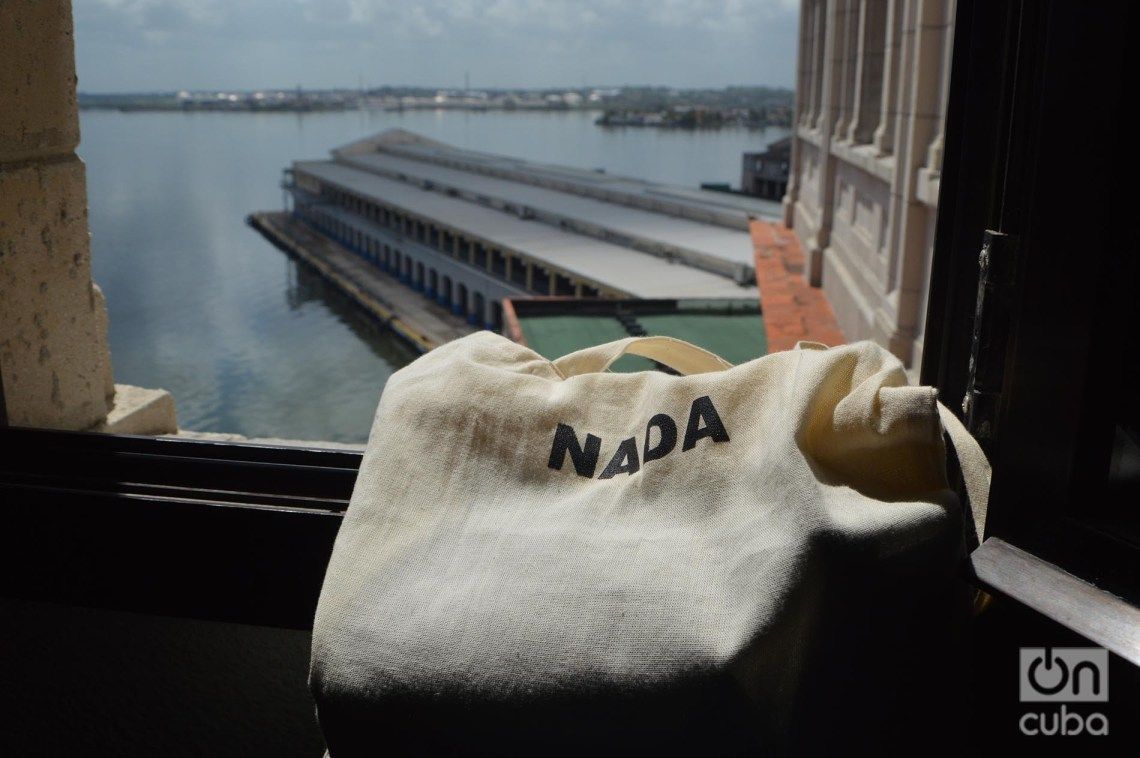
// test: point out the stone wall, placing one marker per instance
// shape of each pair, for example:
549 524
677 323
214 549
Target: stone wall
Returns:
55 364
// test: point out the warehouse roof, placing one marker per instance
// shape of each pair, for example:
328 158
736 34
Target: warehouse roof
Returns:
732 210
681 235
621 268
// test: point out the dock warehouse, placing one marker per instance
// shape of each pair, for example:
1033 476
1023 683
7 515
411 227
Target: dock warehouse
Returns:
469 229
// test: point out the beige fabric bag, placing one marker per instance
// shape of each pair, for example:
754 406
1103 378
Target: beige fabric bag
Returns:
545 550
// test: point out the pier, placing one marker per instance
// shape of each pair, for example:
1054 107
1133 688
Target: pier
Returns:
432 239
421 322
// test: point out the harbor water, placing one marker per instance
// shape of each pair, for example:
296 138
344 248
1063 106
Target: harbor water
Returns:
248 341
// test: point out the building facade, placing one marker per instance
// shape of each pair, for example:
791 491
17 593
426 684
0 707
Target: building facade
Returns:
766 174
871 89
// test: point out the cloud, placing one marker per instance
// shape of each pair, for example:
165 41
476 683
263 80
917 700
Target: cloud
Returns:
172 44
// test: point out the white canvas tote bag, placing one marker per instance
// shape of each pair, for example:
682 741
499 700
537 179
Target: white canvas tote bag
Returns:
548 556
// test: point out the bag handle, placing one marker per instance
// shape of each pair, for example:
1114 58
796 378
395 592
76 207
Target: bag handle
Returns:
677 354
976 471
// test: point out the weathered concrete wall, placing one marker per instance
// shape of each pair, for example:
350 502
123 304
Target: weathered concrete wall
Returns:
55 364
53 337
37 79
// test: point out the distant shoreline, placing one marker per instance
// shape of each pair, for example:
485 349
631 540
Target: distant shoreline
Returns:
752 107
600 122
165 108
709 119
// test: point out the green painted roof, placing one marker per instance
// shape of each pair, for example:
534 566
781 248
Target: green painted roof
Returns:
555 336
736 337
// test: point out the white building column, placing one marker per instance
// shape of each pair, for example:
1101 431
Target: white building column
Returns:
848 18
934 152
919 111
802 111
812 20
869 79
829 105
884 136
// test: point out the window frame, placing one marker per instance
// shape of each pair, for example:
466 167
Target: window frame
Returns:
1015 67
242 532
220 531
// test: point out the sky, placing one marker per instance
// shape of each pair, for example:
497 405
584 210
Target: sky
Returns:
168 45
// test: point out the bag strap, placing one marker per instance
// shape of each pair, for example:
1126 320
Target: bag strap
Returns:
677 354
976 472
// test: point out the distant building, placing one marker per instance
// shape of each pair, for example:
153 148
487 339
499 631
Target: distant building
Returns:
871 90
766 174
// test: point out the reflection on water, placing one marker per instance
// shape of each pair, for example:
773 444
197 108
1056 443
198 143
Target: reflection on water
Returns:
248 341
307 286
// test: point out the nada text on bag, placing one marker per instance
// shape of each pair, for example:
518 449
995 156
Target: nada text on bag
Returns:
704 421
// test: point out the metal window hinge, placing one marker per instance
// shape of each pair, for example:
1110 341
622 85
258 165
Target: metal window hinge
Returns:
992 319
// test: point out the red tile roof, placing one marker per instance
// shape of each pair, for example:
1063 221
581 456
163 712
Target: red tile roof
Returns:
793 309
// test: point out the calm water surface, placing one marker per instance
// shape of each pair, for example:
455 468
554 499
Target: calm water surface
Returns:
248 341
